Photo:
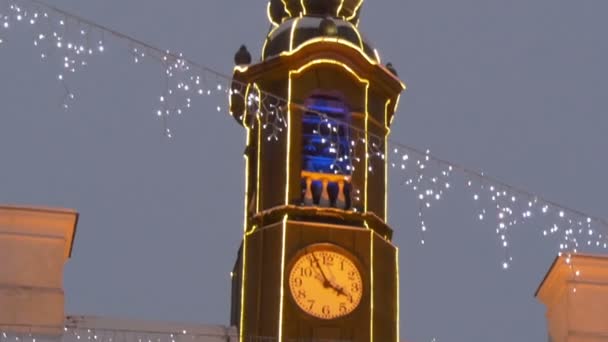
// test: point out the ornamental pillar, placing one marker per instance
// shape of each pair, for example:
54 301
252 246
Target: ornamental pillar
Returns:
575 292
35 243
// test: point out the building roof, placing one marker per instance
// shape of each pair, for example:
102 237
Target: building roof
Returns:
41 222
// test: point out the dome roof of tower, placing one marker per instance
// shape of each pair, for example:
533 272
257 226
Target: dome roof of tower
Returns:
280 10
293 33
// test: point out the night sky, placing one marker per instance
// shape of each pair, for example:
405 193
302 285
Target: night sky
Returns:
514 88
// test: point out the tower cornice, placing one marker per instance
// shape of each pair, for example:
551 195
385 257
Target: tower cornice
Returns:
326 47
367 220
276 68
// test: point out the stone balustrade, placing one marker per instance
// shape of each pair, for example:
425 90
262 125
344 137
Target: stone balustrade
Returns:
326 190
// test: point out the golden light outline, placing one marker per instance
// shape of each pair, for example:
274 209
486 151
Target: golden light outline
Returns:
329 40
252 230
397 273
371 317
270 17
361 80
386 104
366 150
360 41
259 150
339 8
282 291
388 131
397 102
335 40
317 39
286 7
355 11
242 318
288 152
248 138
303 8
240 68
377 54
266 40
243 267
294 24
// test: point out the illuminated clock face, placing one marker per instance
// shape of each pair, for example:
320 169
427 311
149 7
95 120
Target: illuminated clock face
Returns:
325 282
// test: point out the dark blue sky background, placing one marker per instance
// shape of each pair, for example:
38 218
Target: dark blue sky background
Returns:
514 88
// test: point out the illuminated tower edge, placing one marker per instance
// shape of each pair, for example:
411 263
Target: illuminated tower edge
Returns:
316 261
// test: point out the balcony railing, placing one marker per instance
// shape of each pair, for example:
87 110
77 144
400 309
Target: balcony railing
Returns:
326 190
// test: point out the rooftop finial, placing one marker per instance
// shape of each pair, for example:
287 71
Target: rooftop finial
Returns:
242 56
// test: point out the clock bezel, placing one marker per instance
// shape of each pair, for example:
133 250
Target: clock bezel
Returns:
327 246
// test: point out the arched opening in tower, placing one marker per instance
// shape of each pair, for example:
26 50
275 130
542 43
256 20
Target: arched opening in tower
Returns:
326 152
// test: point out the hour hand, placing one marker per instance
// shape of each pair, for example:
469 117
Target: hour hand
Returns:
340 290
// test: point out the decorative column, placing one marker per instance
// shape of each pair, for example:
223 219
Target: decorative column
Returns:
34 245
575 292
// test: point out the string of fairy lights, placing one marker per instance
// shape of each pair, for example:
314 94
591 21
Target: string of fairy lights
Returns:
78 333
70 42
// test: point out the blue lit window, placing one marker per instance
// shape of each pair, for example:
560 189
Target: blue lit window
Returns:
325 137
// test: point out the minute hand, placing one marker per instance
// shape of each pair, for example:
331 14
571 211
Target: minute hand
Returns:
326 282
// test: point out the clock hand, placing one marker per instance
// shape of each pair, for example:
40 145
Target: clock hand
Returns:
330 283
339 289
326 282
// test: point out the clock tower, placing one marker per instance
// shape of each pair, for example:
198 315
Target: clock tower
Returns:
316 262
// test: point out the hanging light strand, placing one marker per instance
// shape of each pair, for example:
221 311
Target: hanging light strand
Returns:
84 332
